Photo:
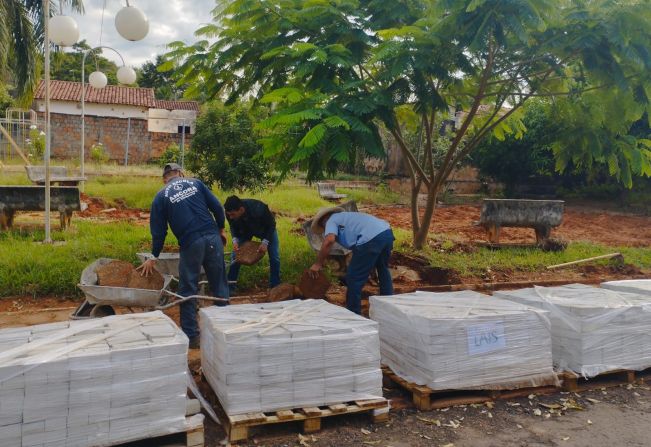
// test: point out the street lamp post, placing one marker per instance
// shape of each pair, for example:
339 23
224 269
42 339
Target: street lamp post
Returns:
125 75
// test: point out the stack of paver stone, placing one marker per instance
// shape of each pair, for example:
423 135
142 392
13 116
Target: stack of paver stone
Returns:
463 340
267 357
95 382
594 330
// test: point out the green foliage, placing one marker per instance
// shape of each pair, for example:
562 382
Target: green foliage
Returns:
172 154
164 86
36 144
225 149
6 100
66 65
512 160
98 154
361 62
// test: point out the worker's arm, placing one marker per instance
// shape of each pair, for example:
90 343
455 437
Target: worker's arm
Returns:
321 257
158 229
269 224
216 208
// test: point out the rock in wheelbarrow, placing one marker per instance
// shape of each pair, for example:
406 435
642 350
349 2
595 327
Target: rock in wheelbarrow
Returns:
114 274
314 287
248 253
123 274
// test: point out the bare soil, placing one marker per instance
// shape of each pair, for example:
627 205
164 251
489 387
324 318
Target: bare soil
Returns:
579 224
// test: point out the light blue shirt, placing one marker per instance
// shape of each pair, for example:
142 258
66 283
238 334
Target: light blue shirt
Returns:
353 229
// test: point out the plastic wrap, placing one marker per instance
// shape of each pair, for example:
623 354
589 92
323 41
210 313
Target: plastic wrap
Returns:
463 340
92 383
275 356
593 330
637 286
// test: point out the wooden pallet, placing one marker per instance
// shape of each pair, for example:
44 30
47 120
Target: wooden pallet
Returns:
192 436
237 426
573 382
426 399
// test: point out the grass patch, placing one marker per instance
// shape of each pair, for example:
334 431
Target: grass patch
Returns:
530 259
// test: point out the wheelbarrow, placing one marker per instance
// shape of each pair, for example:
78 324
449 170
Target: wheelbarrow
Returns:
100 300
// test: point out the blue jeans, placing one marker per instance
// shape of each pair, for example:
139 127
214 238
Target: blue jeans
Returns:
273 251
373 254
206 251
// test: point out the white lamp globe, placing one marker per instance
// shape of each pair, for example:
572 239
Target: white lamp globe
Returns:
126 75
131 23
63 31
97 79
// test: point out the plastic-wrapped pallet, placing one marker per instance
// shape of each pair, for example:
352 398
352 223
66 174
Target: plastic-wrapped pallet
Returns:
463 340
289 354
593 330
92 383
637 286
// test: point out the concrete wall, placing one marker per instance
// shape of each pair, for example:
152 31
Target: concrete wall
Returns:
105 110
112 133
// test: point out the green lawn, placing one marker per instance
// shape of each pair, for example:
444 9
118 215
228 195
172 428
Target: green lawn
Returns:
29 267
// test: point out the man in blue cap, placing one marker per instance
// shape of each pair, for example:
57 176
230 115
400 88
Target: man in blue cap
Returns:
371 241
196 218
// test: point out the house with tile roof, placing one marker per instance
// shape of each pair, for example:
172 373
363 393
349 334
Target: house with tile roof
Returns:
130 122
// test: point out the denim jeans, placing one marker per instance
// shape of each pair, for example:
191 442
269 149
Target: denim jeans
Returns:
373 254
273 251
206 251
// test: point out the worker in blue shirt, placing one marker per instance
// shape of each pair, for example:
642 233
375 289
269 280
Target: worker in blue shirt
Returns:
196 218
371 241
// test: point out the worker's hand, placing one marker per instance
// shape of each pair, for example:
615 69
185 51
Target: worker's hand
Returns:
236 246
262 248
222 235
315 269
147 267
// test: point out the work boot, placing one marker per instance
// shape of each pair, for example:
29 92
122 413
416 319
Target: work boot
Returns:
195 342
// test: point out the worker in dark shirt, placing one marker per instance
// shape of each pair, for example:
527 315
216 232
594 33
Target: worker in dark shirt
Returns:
249 218
196 218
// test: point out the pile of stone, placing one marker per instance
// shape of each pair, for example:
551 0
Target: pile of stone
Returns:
95 382
275 356
594 330
463 340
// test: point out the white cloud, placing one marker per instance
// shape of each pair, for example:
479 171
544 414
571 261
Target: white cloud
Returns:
168 21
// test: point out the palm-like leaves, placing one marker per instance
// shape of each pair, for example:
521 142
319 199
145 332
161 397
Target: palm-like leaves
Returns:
21 38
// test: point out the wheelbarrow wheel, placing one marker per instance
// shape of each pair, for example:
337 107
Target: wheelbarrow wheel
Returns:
100 311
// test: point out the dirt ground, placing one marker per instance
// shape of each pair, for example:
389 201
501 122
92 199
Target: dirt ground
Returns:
579 224
612 417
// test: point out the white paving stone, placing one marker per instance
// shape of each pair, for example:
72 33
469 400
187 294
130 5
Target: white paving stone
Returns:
95 382
463 340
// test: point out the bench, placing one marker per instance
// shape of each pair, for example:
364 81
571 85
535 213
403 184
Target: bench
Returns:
327 191
541 215
58 174
64 199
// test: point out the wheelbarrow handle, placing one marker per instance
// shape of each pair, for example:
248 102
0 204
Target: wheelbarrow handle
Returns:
182 299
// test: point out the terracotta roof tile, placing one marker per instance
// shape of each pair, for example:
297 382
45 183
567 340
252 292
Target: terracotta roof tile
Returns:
111 94
177 105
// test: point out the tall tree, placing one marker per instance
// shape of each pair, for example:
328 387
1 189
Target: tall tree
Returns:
334 70
162 82
21 41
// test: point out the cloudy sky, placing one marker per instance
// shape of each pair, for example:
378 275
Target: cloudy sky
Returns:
169 20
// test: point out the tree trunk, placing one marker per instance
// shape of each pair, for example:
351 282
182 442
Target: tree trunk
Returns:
420 237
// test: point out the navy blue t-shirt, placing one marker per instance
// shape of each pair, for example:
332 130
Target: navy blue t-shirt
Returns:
190 209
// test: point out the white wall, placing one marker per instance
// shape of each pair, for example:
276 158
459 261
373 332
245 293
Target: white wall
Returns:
167 121
107 110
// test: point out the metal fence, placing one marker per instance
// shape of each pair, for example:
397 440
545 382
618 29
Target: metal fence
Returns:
20 127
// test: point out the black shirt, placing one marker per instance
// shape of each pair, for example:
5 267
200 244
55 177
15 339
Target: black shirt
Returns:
257 221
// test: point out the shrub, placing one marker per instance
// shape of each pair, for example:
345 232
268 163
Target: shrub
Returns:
225 149
98 154
172 154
